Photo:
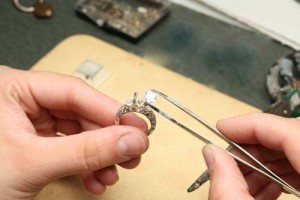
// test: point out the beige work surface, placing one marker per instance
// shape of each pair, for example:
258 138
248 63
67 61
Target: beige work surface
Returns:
174 159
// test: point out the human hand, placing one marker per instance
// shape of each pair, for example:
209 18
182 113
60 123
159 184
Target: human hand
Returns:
34 107
271 139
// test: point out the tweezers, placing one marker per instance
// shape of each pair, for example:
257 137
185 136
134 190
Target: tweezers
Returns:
151 97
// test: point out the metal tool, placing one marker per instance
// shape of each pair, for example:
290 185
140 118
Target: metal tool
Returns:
282 83
283 86
150 98
132 18
39 9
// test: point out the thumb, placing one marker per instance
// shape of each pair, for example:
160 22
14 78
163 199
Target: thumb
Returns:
225 175
92 150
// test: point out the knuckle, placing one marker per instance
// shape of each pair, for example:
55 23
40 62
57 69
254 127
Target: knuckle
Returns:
90 156
99 152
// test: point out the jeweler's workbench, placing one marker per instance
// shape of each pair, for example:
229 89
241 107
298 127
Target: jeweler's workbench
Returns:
174 159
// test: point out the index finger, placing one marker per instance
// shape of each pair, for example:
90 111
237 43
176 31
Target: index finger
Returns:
66 93
274 132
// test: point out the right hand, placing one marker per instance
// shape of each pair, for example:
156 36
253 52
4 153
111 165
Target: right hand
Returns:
273 140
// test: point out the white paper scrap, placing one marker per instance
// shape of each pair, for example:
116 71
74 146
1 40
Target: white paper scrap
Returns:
280 19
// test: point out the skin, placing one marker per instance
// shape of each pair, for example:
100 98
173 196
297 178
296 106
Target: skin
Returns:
34 107
273 140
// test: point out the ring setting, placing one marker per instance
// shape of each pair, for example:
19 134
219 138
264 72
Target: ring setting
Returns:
137 106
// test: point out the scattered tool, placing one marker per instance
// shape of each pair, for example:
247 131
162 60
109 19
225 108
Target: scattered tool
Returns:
40 9
131 17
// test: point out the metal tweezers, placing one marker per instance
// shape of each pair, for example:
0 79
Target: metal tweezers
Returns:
150 98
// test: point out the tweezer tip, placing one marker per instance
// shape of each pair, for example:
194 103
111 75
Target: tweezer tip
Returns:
200 181
193 187
190 190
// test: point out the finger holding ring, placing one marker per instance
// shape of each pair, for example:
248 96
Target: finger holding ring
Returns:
137 106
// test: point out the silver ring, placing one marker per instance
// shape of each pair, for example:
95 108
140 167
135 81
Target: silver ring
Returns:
137 106
24 8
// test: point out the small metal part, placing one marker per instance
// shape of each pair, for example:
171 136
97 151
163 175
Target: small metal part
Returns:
283 84
131 17
24 8
138 106
43 10
40 8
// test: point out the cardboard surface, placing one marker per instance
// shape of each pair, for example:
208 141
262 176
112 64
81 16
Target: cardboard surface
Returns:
174 159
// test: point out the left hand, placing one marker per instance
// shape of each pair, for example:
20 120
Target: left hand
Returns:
34 107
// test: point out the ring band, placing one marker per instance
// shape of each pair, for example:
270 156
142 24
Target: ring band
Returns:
138 107
24 8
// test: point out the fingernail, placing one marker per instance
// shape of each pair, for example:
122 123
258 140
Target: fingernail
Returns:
115 171
208 156
131 144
